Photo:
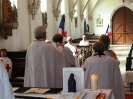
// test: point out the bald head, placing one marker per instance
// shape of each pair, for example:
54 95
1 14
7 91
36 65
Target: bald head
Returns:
40 33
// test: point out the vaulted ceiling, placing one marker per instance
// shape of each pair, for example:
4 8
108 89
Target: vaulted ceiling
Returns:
88 5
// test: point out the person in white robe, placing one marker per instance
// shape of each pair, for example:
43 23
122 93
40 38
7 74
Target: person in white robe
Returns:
65 58
40 68
107 70
84 41
6 91
70 46
6 61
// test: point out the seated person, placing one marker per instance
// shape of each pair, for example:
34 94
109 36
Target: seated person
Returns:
84 41
6 61
107 69
5 87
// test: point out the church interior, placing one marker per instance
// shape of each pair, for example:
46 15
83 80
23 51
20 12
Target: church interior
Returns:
93 18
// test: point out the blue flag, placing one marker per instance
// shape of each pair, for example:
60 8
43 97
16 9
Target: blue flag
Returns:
62 23
108 31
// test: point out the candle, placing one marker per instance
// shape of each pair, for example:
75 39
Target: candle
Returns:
94 81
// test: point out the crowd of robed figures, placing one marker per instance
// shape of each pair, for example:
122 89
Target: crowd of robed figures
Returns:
45 61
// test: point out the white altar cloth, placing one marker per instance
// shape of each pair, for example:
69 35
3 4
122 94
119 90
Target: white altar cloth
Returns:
85 94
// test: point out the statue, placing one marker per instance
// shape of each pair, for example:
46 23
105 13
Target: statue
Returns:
6 18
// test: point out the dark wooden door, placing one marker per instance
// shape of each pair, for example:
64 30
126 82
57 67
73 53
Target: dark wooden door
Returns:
122 26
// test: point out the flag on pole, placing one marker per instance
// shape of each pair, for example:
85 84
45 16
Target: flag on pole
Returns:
62 23
108 31
62 26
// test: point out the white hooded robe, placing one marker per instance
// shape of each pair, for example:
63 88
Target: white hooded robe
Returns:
6 91
108 72
40 68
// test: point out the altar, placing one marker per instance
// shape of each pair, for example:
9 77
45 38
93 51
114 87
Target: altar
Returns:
56 93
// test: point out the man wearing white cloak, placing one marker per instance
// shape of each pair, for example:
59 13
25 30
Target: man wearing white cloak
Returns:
40 62
107 70
65 59
6 91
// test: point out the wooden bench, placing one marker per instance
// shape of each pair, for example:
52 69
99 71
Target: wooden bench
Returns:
18 60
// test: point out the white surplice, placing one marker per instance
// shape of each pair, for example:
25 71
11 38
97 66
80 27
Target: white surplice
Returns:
71 47
6 91
8 64
108 72
40 68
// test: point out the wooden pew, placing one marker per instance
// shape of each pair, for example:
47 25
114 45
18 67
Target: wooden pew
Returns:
18 60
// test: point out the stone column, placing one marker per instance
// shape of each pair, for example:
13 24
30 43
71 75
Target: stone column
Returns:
52 23
80 29
68 20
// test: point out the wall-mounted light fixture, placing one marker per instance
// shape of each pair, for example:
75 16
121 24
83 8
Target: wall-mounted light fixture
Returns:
33 6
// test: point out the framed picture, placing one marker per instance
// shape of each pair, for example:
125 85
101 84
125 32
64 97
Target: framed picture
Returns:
78 75
99 21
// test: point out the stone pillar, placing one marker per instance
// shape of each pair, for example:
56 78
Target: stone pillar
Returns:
80 29
68 20
52 23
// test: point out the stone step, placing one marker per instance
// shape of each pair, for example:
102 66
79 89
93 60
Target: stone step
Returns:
122 52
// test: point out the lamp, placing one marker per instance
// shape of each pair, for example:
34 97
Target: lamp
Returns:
33 6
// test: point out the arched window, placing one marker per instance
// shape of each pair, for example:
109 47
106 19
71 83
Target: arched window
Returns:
13 2
75 11
62 7
43 5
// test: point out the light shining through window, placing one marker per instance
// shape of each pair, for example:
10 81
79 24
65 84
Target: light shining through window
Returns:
13 2
62 8
43 5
